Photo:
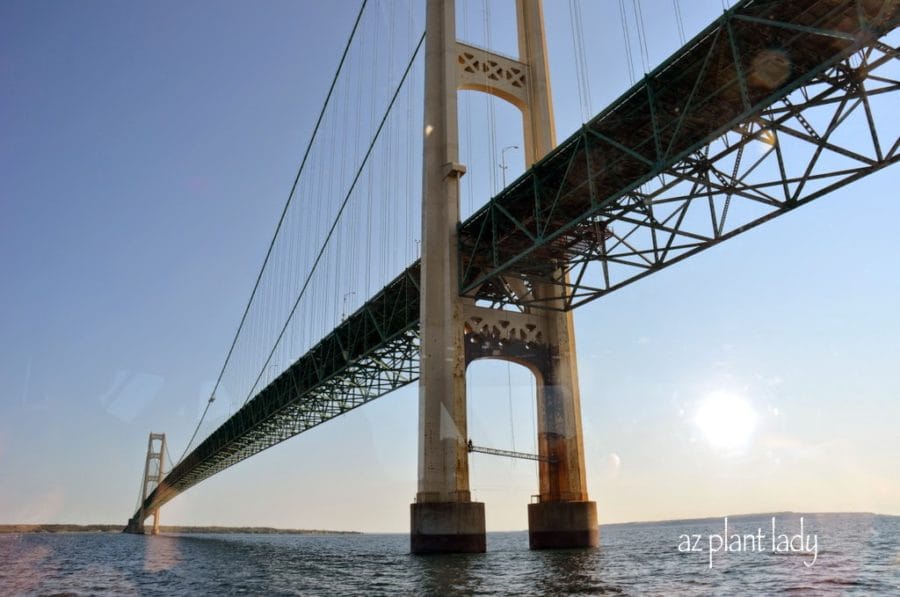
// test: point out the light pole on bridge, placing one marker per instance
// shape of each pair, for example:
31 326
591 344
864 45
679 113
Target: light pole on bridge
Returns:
503 165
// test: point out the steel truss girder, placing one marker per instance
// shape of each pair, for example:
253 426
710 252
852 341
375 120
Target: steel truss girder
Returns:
618 200
371 353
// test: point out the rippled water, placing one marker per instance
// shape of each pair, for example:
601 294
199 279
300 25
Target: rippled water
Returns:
857 554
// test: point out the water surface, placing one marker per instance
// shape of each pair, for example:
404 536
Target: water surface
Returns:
857 554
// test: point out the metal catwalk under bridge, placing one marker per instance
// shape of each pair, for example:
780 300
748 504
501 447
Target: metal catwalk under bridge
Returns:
657 176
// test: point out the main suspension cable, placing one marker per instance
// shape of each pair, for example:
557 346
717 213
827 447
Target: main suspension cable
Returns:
624 20
337 217
287 204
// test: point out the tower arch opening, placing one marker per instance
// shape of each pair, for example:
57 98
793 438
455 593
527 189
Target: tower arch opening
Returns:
502 394
491 145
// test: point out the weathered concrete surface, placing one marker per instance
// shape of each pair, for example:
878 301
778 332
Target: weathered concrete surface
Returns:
447 527
443 458
443 519
558 525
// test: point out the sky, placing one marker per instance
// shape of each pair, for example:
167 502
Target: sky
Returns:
146 151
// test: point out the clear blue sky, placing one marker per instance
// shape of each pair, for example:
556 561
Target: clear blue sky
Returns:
146 150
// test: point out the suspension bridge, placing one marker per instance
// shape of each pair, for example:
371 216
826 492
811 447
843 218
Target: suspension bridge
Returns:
772 105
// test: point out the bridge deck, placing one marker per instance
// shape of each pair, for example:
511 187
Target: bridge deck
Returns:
656 176
587 203
371 353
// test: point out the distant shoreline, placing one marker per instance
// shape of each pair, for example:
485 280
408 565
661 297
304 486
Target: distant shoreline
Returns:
220 530
117 528
750 516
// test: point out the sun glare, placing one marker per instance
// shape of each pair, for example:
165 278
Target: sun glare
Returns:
726 421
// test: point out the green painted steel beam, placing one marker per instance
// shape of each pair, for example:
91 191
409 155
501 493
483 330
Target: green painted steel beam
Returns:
371 353
737 72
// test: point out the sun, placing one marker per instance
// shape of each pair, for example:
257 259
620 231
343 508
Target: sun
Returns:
726 421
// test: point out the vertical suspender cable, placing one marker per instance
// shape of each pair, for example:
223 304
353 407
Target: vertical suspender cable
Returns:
489 99
340 212
467 110
581 69
512 427
642 36
623 16
278 226
679 20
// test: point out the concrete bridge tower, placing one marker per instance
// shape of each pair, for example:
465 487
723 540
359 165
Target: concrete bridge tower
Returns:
455 331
